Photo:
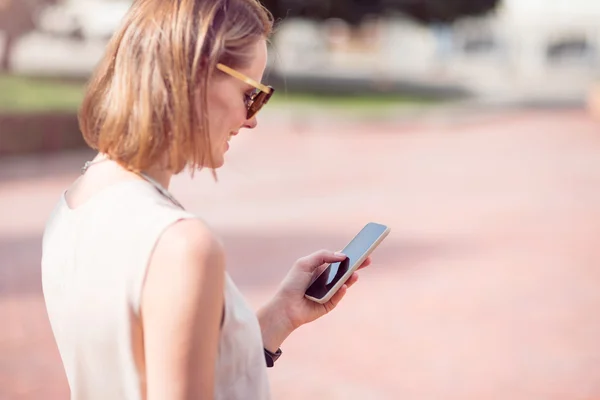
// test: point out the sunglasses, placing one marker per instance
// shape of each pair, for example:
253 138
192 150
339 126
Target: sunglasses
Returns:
258 98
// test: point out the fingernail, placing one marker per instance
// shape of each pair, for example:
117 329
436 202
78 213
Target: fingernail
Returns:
338 253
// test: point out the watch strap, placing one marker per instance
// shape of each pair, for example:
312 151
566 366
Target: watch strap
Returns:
270 358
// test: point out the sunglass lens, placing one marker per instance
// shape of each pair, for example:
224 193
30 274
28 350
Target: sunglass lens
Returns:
259 101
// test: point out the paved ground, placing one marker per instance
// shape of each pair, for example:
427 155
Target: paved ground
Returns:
487 288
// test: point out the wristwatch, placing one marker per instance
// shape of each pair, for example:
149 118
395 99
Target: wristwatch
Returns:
270 358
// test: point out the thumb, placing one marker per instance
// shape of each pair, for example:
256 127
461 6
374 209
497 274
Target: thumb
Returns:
315 260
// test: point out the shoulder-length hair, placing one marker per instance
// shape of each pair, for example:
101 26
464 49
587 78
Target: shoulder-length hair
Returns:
147 98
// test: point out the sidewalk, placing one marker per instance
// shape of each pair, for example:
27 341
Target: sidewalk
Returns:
487 288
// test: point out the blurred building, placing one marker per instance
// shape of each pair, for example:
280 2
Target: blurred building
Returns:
548 47
91 19
526 48
69 38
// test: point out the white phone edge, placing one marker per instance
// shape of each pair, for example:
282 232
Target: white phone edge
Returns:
352 269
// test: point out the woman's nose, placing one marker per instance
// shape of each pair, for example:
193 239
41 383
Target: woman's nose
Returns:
250 123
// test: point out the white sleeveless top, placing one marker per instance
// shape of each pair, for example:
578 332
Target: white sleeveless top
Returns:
93 265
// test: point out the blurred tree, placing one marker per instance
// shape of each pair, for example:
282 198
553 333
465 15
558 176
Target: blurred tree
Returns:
428 11
17 18
353 11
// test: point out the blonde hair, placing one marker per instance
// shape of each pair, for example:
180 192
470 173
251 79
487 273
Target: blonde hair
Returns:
142 101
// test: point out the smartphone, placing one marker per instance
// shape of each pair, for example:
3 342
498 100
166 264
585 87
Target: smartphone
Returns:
326 284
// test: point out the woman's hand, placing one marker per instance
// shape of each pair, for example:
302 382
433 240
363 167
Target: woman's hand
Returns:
289 309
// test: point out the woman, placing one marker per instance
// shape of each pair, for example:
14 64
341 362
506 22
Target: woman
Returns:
136 288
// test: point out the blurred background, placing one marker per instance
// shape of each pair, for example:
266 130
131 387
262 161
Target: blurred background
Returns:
468 126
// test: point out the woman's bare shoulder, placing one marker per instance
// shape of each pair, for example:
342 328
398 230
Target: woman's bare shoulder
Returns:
188 246
190 237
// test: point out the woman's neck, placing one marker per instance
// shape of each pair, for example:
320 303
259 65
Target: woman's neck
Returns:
160 175
158 172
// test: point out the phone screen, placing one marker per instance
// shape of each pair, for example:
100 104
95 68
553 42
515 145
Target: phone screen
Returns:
361 243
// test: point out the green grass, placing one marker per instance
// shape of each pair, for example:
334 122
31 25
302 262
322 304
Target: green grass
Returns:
361 106
367 101
20 94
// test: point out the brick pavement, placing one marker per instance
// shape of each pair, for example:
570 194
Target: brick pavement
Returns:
488 286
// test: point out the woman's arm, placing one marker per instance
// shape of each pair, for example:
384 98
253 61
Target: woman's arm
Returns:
289 309
182 304
274 325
